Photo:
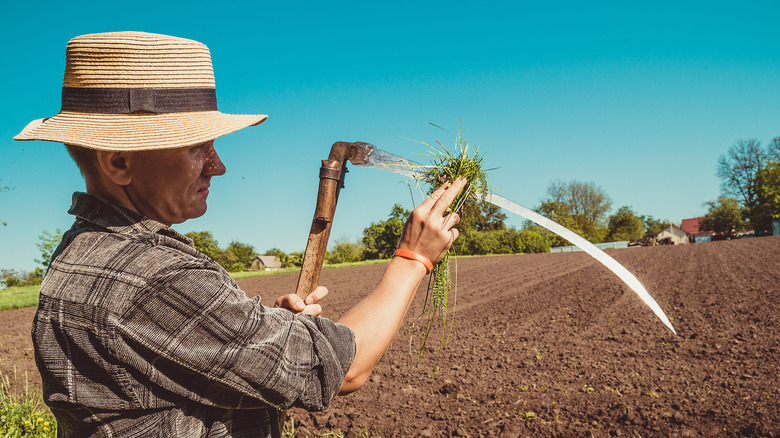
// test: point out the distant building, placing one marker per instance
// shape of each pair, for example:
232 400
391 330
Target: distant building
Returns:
265 263
672 235
693 228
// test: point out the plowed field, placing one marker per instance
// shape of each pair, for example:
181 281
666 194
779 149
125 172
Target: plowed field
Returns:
555 345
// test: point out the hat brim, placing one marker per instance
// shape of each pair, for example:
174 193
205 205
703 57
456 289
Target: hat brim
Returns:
137 132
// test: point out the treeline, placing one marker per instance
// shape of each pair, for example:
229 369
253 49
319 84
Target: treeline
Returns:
47 243
482 231
582 207
235 257
750 190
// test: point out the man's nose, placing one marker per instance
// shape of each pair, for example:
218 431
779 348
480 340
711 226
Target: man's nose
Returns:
213 165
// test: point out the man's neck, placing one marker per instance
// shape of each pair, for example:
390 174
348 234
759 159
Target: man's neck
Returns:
111 192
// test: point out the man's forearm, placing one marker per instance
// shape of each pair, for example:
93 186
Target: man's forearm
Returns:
377 318
428 233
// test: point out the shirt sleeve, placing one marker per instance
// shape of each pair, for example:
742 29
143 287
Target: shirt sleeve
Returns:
193 333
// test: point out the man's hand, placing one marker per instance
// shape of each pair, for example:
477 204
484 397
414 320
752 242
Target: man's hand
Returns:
309 306
428 231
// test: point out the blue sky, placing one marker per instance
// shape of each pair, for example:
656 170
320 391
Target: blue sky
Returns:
640 99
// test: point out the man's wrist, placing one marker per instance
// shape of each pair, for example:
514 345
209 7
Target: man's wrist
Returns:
411 255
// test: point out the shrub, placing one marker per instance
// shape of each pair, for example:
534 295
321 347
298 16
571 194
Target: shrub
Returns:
11 278
534 241
22 412
344 252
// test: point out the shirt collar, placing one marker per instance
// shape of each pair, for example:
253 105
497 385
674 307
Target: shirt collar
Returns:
117 218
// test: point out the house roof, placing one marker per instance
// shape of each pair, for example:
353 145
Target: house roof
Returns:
691 226
269 261
672 230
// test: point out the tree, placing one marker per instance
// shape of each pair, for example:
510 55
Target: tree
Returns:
480 216
725 217
586 204
654 226
625 225
560 213
47 244
533 241
381 239
767 198
774 150
738 168
295 259
284 259
11 278
237 256
344 252
204 242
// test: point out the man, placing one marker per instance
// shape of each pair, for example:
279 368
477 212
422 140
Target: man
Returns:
139 334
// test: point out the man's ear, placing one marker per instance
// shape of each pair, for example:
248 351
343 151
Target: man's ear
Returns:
115 166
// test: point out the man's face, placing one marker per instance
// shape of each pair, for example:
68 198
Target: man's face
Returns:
171 186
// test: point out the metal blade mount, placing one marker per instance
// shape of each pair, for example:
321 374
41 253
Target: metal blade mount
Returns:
379 159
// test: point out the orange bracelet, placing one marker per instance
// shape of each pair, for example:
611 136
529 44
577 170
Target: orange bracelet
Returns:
411 255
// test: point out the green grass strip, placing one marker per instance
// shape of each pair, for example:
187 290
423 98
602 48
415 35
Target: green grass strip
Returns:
19 297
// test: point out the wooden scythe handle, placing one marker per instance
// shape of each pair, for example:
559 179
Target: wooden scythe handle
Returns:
331 181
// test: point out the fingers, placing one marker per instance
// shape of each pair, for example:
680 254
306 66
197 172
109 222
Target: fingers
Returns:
318 294
312 309
310 306
290 302
451 220
445 198
427 231
440 200
433 197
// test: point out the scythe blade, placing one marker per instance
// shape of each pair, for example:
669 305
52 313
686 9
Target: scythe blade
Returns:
379 159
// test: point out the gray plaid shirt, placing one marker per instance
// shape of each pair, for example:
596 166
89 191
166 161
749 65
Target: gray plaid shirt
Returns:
138 334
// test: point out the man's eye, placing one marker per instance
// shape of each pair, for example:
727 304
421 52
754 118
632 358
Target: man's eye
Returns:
200 147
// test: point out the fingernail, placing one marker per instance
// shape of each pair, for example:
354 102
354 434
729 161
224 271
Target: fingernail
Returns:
299 306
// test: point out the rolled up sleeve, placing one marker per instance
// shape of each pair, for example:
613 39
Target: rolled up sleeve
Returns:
195 334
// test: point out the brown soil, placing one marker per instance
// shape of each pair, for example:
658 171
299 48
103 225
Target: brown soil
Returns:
555 345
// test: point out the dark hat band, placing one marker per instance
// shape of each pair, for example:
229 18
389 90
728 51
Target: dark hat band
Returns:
138 100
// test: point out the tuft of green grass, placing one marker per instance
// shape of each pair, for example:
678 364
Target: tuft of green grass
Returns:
18 297
22 412
448 165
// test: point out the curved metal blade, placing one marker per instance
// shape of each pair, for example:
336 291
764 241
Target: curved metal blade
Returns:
379 159
589 248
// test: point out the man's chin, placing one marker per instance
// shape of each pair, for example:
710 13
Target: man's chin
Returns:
191 214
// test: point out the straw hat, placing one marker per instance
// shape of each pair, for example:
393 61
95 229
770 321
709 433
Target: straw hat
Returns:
137 91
